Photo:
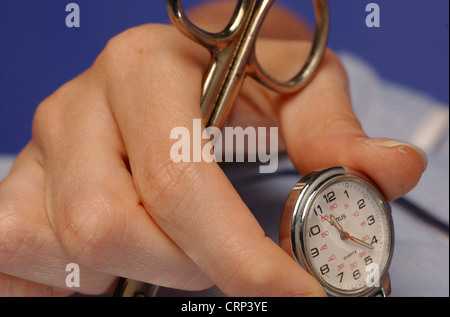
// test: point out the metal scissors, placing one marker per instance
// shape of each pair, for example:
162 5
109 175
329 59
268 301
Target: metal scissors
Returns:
233 55
233 58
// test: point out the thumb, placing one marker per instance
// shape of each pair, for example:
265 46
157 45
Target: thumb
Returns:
321 130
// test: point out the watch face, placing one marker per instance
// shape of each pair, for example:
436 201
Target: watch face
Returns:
347 235
338 226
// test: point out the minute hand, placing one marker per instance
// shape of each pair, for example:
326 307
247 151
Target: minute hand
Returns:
359 241
337 225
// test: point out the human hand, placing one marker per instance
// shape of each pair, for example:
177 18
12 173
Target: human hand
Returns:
96 185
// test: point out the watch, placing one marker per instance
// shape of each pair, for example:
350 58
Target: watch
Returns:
337 224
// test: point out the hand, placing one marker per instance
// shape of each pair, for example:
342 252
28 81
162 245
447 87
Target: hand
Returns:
96 185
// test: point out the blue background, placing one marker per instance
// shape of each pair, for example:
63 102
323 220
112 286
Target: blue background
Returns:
38 53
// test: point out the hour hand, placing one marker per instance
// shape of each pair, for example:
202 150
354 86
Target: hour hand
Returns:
336 223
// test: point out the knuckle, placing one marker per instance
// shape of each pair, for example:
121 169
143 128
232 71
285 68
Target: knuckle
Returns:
52 115
148 50
45 115
89 232
126 52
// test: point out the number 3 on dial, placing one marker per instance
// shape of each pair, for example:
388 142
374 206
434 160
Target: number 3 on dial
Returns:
338 226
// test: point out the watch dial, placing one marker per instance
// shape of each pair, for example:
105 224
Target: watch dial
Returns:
348 237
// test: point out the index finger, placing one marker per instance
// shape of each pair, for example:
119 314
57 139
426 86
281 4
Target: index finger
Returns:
194 203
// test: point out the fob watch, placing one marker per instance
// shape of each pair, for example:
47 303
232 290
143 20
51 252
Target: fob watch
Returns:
338 226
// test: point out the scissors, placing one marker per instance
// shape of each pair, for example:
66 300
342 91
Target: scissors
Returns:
233 55
233 58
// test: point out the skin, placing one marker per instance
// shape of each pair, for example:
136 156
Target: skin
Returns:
96 186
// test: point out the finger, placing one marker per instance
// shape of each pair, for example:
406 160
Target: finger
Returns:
11 286
321 130
91 198
29 248
194 203
318 124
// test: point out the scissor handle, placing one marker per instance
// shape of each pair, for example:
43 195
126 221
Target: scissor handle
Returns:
322 14
234 57
132 288
212 41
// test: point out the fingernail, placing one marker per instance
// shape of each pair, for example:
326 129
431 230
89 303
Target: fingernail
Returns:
395 143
